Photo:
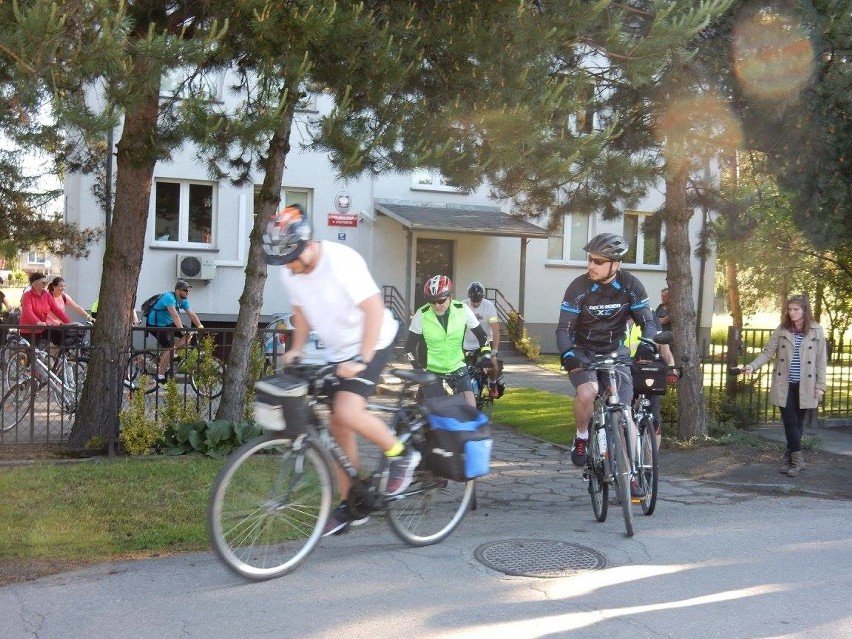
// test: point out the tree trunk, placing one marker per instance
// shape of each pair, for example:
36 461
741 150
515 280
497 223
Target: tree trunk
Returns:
232 405
135 159
691 412
732 293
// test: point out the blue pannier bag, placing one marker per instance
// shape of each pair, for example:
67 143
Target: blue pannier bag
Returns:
458 442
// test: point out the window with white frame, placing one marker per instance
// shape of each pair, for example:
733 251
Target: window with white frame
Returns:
36 257
183 213
567 241
645 247
432 180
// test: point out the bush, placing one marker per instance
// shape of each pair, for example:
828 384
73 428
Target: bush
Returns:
17 278
139 433
734 410
530 347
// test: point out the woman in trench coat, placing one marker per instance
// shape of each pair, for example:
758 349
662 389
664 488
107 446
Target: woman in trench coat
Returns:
798 379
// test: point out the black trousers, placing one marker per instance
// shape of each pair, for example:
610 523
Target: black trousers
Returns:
793 419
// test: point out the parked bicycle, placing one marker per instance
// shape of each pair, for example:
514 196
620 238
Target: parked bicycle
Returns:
28 368
270 503
610 461
275 342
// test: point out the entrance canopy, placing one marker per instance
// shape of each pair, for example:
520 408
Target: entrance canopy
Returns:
475 220
470 220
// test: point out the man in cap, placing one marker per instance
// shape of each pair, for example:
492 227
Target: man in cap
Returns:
164 316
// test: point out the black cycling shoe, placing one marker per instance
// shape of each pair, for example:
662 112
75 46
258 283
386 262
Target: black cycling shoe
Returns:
578 452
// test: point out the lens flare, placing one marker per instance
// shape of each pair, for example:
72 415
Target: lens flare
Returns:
773 56
696 126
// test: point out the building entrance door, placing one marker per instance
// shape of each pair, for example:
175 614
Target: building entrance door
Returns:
434 257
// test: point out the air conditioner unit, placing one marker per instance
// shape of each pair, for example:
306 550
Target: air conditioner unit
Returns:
195 267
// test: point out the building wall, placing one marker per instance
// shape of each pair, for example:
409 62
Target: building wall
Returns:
495 261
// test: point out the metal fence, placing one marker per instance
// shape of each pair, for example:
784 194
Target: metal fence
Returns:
751 394
42 384
49 415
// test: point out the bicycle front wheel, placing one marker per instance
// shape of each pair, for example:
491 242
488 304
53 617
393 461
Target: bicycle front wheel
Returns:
268 506
648 465
430 509
621 470
598 488
485 402
17 404
207 377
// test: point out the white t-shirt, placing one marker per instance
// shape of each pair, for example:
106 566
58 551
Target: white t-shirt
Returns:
485 313
329 297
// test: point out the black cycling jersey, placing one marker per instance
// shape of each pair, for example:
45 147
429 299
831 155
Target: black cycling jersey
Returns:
593 316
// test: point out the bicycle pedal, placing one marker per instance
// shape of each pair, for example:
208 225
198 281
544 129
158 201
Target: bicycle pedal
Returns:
635 500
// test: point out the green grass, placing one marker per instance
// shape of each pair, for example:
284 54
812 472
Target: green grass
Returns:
105 508
548 416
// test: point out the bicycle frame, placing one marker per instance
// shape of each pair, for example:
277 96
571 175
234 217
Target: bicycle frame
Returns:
58 377
368 493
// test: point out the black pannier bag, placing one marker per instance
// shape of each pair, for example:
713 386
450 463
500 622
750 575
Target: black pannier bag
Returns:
281 404
649 378
458 442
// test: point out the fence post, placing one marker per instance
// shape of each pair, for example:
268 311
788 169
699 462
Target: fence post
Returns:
734 348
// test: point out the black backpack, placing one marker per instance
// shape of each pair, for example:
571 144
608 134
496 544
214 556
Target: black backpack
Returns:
148 304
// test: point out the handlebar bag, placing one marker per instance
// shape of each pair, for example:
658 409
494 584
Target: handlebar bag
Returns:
649 378
458 442
281 403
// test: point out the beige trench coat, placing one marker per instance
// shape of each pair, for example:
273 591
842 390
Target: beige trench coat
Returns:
813 359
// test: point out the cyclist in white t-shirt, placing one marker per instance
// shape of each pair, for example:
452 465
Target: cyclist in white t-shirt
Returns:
486 313
332 293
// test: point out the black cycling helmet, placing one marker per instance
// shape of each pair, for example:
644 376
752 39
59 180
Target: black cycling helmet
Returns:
609 245
287 234
475 292
437 287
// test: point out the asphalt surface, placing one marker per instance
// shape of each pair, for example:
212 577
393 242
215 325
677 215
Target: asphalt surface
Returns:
708 564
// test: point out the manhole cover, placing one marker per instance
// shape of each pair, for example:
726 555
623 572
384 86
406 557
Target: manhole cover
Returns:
538 557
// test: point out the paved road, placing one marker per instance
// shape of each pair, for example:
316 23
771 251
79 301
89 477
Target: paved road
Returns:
708 564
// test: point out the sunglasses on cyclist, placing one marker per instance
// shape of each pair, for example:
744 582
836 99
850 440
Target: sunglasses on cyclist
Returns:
439 302
599 261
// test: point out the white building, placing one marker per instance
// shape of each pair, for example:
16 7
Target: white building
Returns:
407 227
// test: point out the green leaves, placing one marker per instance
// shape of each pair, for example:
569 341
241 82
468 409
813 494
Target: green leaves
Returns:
215 438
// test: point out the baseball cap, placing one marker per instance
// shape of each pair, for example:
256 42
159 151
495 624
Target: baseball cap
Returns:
182 285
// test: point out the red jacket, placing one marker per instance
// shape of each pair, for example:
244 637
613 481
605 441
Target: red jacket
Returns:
35 309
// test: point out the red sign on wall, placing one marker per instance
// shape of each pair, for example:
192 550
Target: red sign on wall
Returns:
342 219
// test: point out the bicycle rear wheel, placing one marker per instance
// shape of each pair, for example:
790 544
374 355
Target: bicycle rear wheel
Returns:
268 506
17 404
648 465
598 488
621 466
430 509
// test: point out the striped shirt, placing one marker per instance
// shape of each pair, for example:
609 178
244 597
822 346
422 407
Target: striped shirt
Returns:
796 360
